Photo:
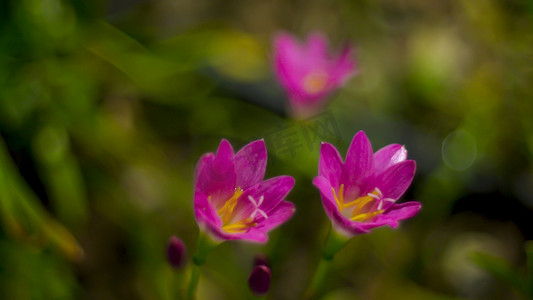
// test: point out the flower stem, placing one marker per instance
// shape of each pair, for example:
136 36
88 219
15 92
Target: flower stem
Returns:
193 282
204 247
318 279
334 243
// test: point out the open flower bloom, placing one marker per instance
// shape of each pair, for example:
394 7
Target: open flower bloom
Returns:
360 193
231 199
308 72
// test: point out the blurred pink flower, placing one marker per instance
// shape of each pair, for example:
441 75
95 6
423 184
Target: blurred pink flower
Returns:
360 193
308 72
232 201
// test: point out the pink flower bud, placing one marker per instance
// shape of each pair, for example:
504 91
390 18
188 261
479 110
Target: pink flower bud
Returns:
259 280
176 252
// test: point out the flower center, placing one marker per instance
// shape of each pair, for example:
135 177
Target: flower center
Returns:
363 208
226 214
315 82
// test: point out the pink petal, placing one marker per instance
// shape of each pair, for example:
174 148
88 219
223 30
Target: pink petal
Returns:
272 190
395 180
344 67
204 211
317 46
388 156
203 167
341 224
253 235
289 60
403 210
394 214
218 175
278 216
328 200
357 167
250 164
330 164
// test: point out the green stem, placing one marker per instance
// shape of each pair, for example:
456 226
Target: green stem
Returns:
318 279
203 248
193 282
334 243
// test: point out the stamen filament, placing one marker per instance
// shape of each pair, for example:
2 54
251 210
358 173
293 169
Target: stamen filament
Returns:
239 226
359 204
363 201
340 198
366 216
226 211
357 201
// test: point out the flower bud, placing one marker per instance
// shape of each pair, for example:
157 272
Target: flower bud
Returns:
176 252
259 280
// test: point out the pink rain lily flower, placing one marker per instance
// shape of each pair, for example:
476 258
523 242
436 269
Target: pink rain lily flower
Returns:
308 72
361 193
232 201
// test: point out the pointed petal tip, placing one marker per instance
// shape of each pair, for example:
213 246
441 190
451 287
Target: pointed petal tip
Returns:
360 133
411 163
224 142
224 148
404 150
289 179
317 180
361 137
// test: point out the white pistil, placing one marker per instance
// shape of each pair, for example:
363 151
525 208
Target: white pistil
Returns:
374 196
256 206
383 200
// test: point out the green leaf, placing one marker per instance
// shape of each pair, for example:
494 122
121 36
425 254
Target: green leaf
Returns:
23 215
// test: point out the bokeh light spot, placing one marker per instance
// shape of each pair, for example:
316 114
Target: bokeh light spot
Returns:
459 150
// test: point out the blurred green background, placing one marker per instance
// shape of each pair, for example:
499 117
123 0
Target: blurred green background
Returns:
106 106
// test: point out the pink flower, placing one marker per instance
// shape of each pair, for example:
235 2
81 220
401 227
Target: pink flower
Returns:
308 72
361 193
232 201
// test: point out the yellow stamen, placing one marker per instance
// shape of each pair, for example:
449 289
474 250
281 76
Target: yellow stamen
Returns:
339 199
240 226
362 202
366 216
358 204
226 211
